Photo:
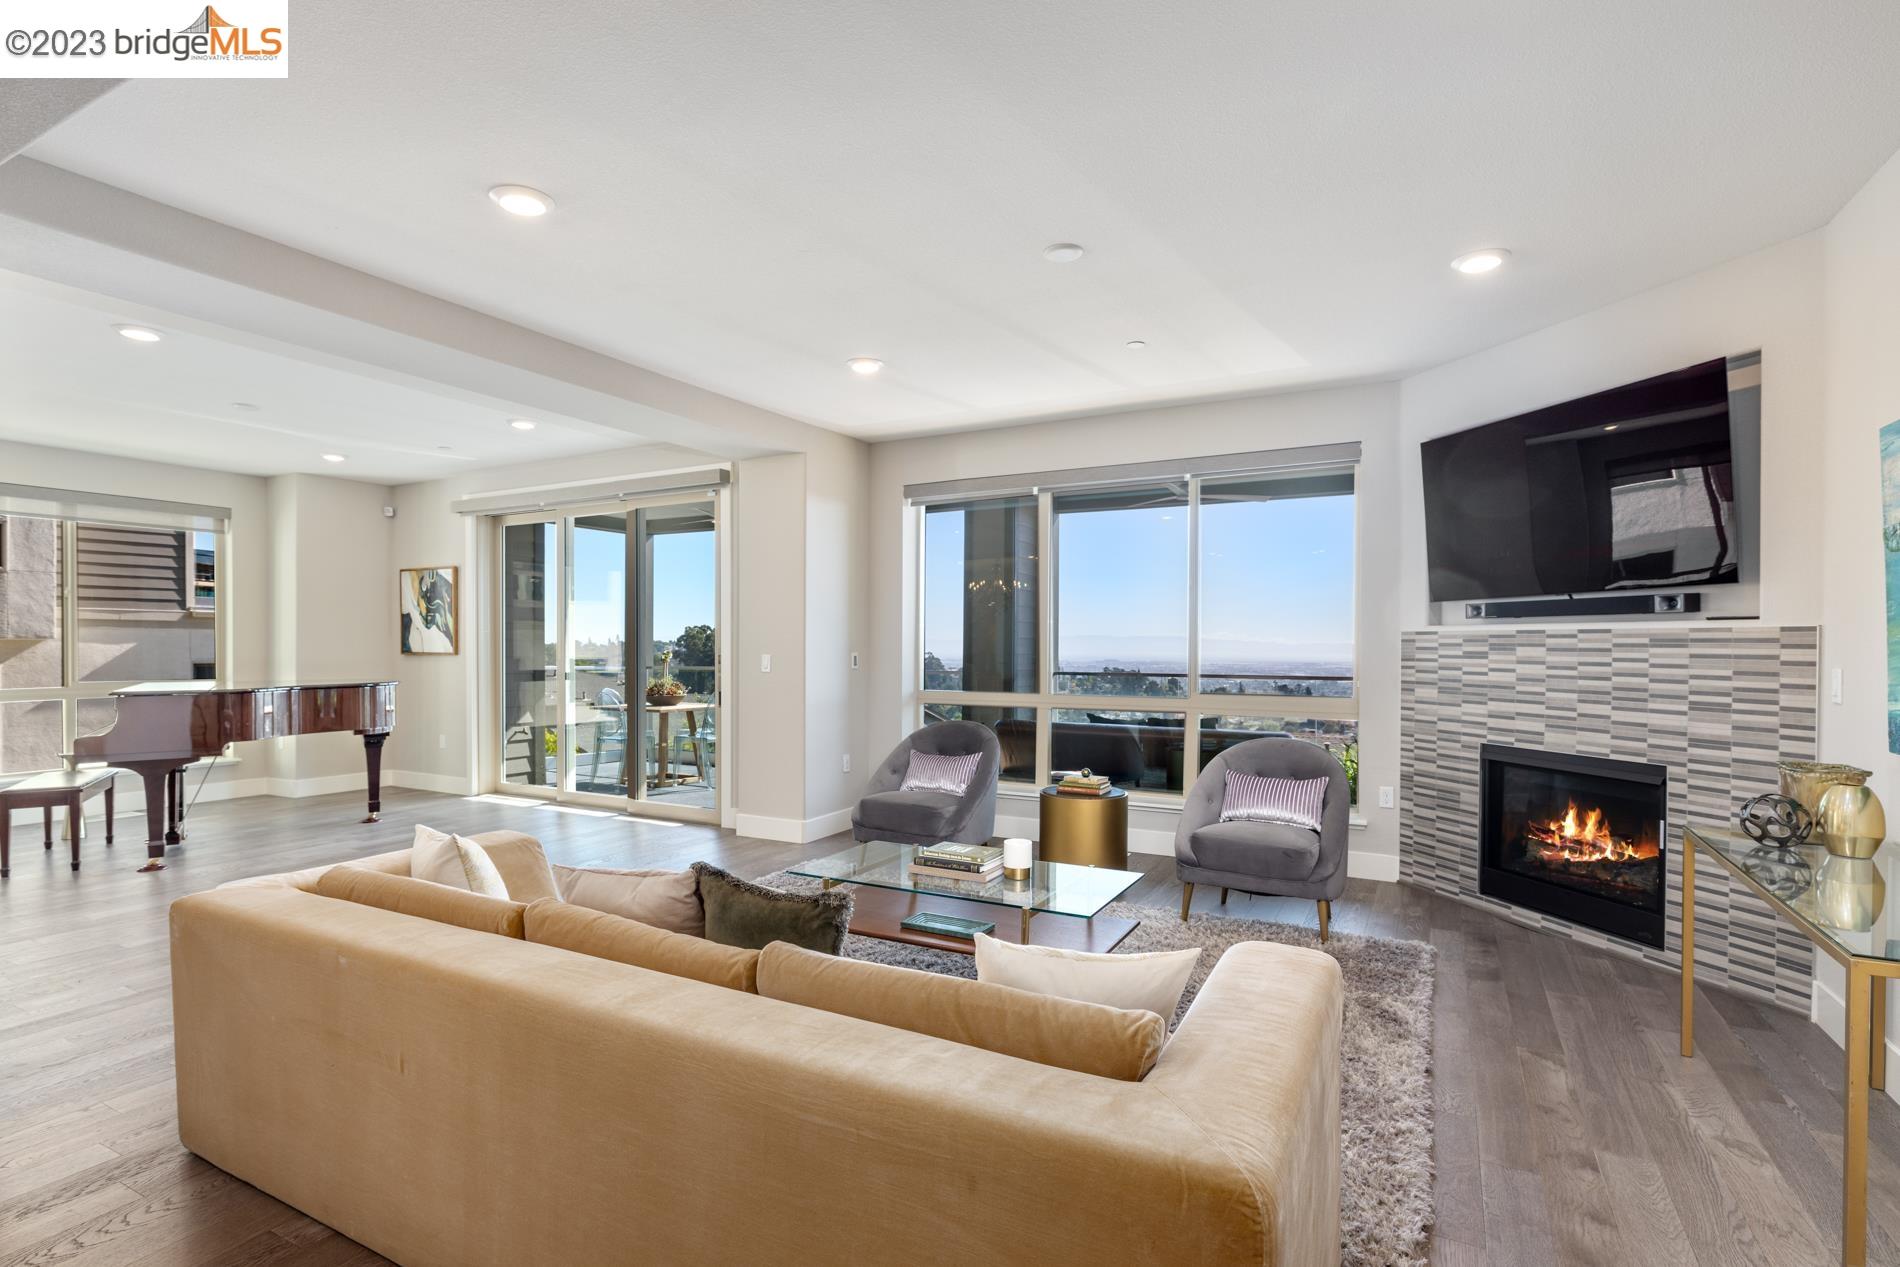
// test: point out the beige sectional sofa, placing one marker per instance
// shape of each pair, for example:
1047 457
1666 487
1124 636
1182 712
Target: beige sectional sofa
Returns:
452 1095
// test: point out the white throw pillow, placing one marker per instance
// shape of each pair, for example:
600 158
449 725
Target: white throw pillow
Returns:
1149 982
662 899
444 859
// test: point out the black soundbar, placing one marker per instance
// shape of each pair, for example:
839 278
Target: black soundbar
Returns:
1595 605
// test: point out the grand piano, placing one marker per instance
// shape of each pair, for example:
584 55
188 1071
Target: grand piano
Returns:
163 727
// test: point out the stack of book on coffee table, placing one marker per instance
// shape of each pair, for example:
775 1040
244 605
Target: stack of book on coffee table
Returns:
957 862
1082 783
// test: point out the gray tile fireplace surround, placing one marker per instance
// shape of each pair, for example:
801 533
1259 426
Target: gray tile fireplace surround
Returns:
1716 704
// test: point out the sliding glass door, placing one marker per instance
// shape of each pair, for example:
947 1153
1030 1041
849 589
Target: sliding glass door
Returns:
609 674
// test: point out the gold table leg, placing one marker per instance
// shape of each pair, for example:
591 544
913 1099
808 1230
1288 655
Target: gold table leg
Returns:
1026 914
1688 947
1877 1036
1860 991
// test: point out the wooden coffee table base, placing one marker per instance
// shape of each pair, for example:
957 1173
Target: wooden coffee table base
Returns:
881 913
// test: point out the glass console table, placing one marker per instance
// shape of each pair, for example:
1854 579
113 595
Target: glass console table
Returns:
1844 906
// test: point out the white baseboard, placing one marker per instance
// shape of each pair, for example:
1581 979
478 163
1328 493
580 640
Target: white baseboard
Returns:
425 781
324 785
1828 1009
796 831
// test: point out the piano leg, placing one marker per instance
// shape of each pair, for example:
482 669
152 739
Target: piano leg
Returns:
157 802
373 762
175 807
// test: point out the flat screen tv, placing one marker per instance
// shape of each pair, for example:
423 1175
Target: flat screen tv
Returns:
1632 488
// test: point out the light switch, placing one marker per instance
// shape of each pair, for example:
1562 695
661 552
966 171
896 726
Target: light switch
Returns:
765 664
1385 798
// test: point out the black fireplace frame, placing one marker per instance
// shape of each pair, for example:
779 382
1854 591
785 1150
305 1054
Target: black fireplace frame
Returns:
1606 915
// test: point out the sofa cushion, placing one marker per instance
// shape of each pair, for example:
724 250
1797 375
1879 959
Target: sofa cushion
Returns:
915 813
1152 981
1264 798
1272 851
396 862
522 863
410 896
553 922
1085 1037
739 913
664 899
940 772
442 858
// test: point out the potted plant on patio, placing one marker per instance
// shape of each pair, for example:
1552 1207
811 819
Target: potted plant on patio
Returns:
664 688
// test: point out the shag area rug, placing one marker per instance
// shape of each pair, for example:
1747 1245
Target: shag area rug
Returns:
1385 1201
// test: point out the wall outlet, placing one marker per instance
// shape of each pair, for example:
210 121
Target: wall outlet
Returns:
765 664
442 742
1836 689
1386 799
847 763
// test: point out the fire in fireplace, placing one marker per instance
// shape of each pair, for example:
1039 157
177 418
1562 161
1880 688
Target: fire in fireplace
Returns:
1577 837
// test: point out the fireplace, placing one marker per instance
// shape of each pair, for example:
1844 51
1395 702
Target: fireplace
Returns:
1582 838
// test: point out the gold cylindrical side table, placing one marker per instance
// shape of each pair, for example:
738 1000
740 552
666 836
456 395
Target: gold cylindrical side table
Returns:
1091 831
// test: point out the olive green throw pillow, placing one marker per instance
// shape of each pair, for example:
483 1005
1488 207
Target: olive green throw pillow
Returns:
752 917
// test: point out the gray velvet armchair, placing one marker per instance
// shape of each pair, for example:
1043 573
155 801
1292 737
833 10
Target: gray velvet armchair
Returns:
1266 858
930 818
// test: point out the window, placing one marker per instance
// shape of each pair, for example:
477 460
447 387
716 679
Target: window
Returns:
1217 605
86 607
979 596
1277 586
1015 734
1122 592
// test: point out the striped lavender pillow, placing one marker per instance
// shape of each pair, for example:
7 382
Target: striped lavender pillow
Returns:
932 772
1261 798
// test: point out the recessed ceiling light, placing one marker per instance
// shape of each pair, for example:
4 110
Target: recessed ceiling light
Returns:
519 200
521 424
1062 252
1137 344
1490 259
333 457
242 404
138 334
866 365
1611 426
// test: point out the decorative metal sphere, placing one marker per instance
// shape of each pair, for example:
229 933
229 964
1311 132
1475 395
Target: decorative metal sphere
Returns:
1773 819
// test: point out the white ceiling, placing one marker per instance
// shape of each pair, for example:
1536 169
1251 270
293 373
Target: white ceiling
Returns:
68 379
748 194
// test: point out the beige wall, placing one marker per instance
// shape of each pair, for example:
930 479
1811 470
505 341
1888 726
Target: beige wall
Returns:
839 599
1862 327
1368 414
333 599
1770 300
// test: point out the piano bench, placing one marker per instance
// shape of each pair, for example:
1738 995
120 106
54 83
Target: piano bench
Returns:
48 792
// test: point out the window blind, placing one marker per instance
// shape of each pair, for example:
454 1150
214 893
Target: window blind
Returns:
1313 458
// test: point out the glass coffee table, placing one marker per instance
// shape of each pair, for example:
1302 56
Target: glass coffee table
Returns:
888 894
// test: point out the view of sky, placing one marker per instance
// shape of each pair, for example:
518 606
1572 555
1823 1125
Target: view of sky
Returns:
683 584
1276 585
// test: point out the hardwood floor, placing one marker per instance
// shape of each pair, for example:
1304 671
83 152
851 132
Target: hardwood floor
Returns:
1568 1129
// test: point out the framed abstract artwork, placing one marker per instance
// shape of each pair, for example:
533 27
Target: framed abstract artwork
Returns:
428 611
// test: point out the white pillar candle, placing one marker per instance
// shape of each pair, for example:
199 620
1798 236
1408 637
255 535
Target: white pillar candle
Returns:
1017 854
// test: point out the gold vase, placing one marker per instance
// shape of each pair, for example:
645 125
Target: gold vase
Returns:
1805 781
1851 821
1849 893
